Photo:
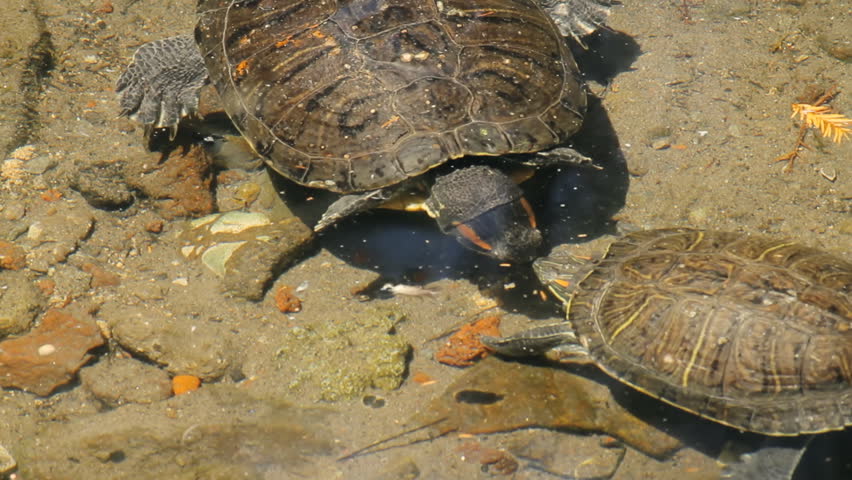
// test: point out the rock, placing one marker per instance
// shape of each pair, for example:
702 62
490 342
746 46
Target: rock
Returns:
247 250
7 463
100 277
573 456
117 381
218 432
39 165
495 396
661 143
404 469
180 184
103 187
55 232
12 257
13 211
183 345
464 347
49 355
20 302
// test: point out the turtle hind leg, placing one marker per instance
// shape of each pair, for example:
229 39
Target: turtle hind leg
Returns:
161 85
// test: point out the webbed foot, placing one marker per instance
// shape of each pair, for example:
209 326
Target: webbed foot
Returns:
577 18
348 205
161 85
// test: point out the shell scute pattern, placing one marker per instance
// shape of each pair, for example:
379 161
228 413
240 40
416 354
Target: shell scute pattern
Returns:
748 331
358 95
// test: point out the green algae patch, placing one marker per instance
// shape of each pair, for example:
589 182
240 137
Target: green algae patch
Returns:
349 356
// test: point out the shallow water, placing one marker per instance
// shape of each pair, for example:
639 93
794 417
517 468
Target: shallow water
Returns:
687 131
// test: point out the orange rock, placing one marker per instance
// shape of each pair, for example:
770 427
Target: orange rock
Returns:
422 379
286 300
49 355
180 185
185 383
46 285
100 277
154 226
12 257
51 195
464 347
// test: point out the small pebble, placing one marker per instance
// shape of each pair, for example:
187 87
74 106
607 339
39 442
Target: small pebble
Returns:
661 144
185 383
46 349
39 165
14 211
154 226
7 463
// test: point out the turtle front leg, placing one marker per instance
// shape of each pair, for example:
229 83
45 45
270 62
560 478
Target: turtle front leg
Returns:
556 341
348 205
161 85
577 18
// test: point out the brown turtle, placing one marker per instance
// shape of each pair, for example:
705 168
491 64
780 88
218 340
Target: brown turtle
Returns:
747 331
363 97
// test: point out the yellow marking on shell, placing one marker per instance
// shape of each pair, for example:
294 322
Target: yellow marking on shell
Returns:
631 318
770 250
772 366
695 350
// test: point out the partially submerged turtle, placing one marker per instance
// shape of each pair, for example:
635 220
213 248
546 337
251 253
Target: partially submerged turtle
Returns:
747 331
362 97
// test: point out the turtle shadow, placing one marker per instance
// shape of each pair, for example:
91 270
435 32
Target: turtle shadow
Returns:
605 54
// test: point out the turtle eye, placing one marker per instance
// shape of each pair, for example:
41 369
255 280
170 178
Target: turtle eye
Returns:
470 235
529 210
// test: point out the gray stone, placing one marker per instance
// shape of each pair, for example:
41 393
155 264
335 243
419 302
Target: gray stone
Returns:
39 165
103 187
184 345
20 302
55 233
117 381
247 250
218 432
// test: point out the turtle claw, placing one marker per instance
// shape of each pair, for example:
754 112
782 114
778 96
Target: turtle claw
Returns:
561 156
577 18
162 83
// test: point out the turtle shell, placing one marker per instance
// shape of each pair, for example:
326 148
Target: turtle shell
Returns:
747 331
354 95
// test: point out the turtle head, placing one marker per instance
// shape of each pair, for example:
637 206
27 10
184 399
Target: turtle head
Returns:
484 209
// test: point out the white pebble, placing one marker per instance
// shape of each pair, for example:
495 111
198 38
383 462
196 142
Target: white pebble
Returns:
46 349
